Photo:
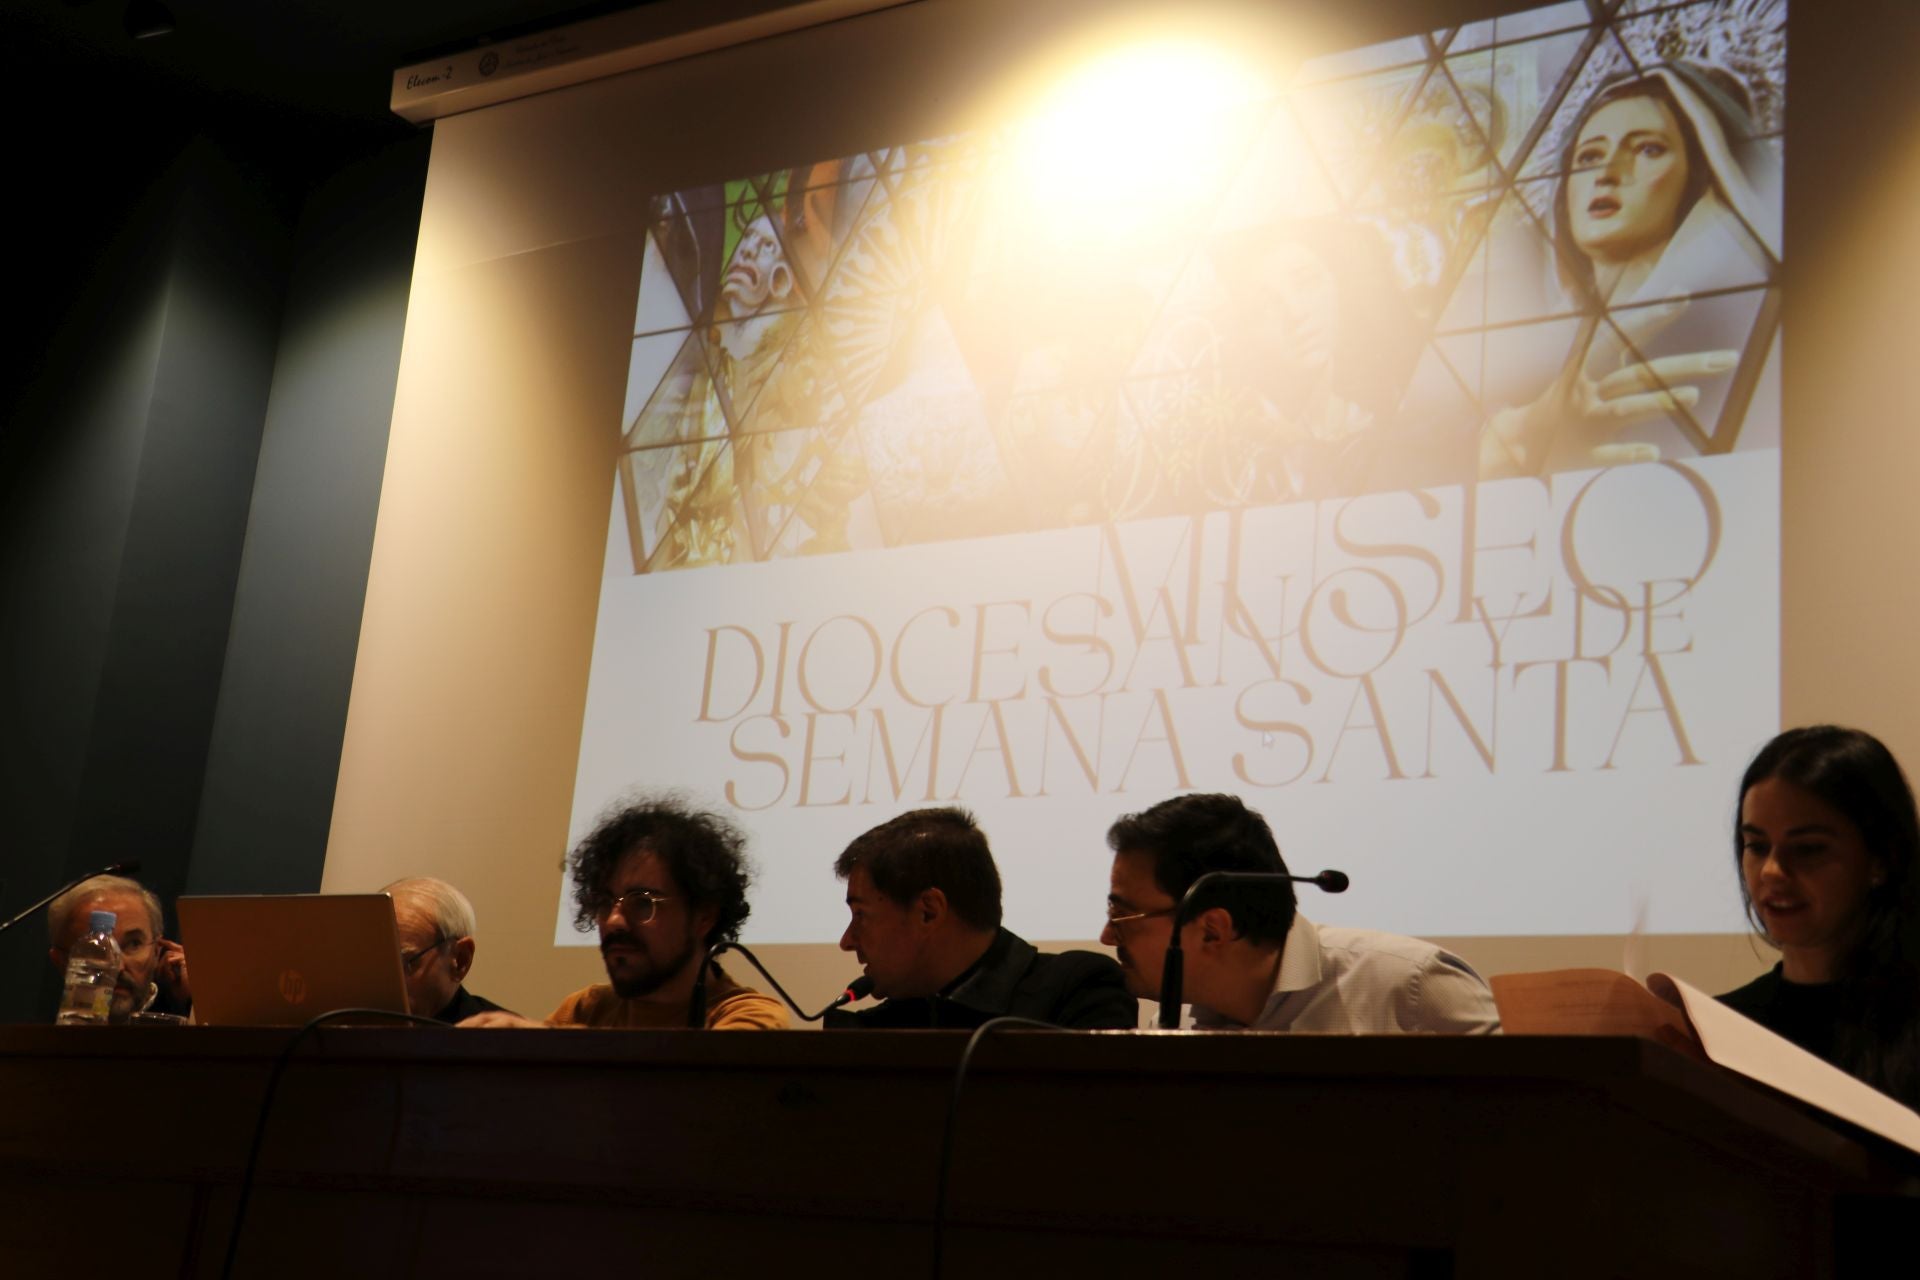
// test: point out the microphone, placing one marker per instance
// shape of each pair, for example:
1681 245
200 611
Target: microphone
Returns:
859 989
1173 970
125 868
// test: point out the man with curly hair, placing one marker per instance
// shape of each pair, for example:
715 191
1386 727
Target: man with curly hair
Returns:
662 882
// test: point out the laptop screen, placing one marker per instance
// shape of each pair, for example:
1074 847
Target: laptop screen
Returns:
279 960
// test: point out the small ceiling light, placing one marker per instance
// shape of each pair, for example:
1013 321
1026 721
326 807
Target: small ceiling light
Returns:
146 19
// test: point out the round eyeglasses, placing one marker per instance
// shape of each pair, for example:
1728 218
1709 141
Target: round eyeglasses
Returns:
637 905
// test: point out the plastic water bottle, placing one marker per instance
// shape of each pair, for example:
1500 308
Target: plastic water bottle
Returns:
93 966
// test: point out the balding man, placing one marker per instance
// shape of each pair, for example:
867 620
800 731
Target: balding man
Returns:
153 971
435 924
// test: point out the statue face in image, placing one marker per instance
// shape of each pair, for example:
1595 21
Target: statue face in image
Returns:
1296 309
1629 173
758 274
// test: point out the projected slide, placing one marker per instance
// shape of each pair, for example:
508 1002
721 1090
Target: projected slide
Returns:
1401 453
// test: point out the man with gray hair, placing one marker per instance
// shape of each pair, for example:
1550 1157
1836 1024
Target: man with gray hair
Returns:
153 971
435 924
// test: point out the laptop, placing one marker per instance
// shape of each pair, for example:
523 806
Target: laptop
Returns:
278 960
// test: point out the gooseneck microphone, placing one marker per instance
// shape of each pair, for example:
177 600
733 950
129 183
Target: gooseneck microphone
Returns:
859 989
126 868
1173 972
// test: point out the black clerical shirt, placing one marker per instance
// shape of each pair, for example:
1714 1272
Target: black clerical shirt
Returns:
1078 990
464 1005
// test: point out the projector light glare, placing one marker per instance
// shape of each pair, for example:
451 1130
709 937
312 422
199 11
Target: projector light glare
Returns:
1121 148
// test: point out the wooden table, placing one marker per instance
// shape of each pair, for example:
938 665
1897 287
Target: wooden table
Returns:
414 1152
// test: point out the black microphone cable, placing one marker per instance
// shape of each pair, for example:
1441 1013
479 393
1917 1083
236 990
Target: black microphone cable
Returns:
943 1176
266 1108
859 989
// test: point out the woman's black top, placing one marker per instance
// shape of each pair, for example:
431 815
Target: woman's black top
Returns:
1806 1013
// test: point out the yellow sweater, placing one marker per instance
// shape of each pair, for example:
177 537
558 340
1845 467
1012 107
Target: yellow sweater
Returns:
730 1007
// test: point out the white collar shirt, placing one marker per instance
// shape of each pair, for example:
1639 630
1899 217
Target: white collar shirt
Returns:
1363 982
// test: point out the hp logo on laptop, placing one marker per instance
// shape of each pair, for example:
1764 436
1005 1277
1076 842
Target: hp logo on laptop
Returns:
293 987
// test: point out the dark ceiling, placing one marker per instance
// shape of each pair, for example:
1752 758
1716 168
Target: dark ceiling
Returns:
323 60
290 91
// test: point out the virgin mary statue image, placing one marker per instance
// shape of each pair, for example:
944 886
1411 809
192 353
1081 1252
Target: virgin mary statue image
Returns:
1666 225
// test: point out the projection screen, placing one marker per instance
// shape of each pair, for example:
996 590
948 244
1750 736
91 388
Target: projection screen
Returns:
1000 406
1391 440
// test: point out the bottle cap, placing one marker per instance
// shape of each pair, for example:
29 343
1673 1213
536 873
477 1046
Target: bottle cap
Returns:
103 922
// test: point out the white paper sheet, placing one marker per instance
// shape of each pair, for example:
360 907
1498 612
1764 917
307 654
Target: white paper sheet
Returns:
1741 1044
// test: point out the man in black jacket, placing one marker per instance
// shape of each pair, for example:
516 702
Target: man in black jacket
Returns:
925 902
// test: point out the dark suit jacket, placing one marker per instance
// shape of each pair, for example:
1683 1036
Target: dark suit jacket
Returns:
1078 990
464 1005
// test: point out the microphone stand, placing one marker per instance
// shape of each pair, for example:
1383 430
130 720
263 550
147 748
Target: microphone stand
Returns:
859 989
1173 970
117 869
